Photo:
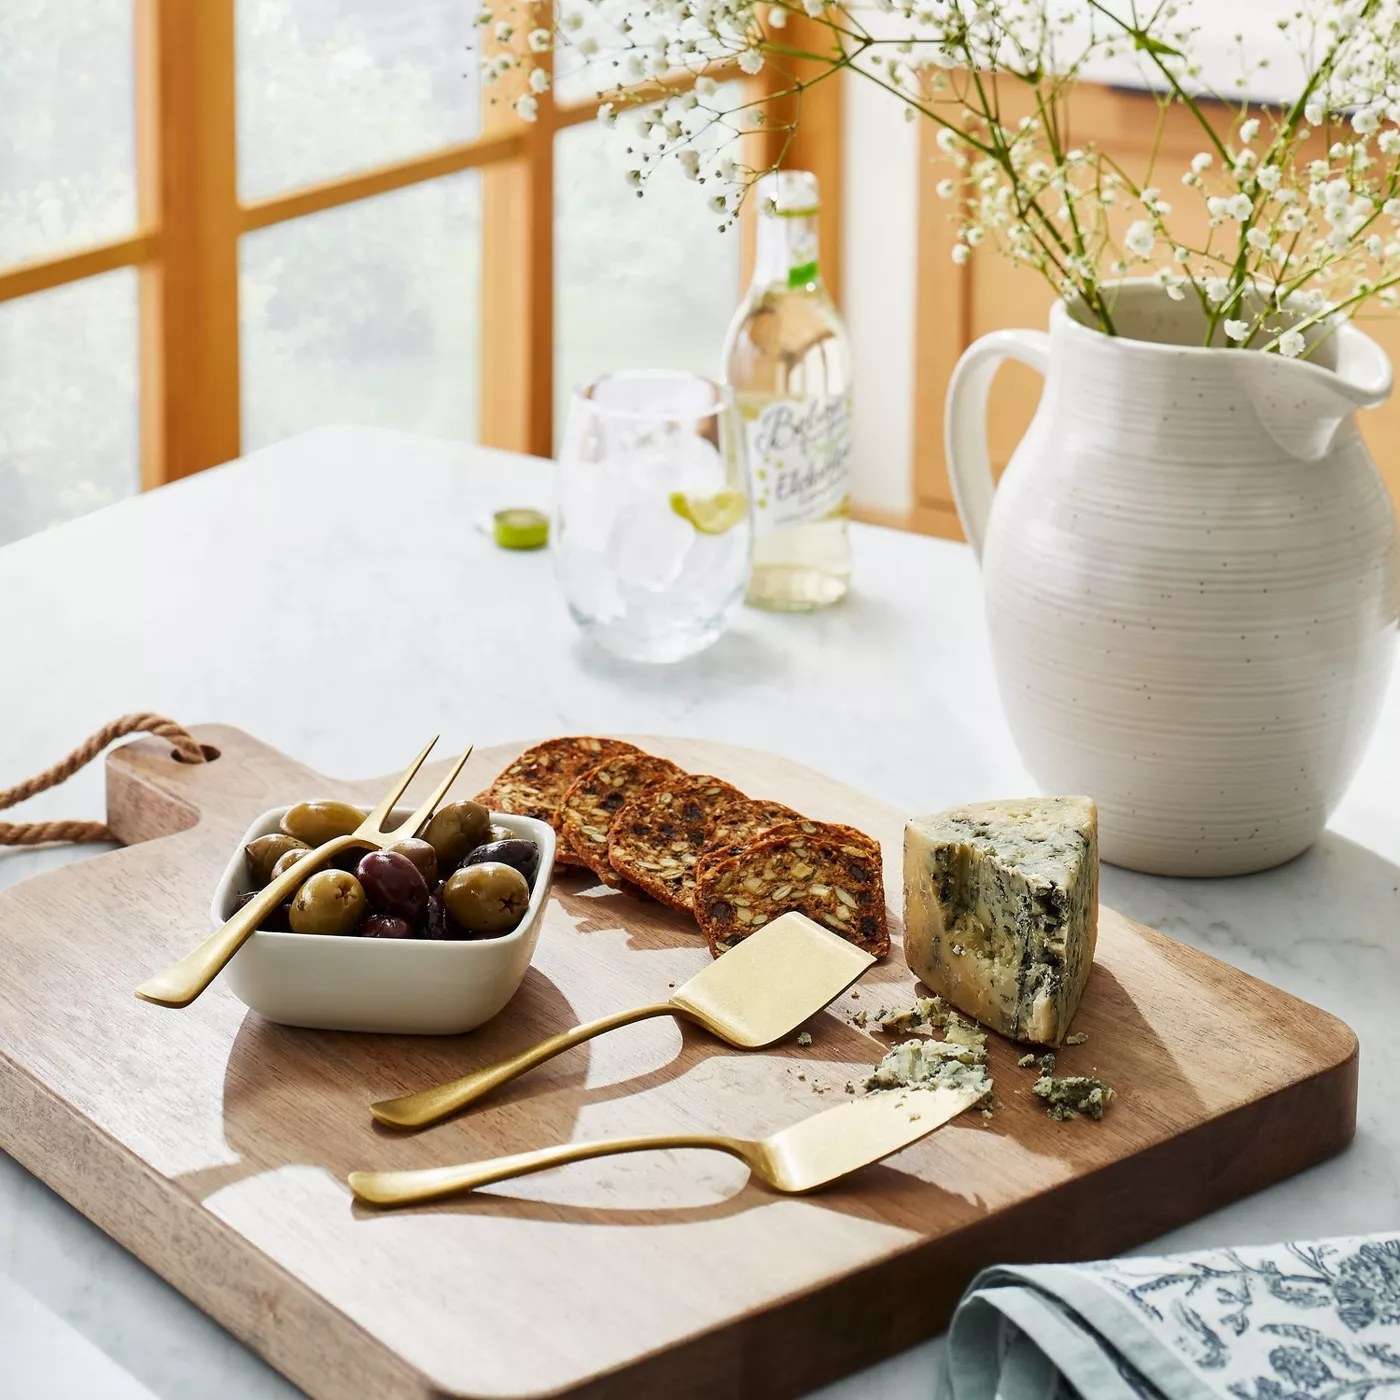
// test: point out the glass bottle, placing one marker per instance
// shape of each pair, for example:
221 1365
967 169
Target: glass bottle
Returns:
788 358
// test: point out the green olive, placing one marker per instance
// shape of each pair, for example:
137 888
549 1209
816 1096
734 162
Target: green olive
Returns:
266 851
289 859
421 854
489 898
318 822
456 829
331 901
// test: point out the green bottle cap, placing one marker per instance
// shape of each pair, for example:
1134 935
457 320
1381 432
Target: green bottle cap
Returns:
521 529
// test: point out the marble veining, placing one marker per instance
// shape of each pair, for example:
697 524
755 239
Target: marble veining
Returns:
892 692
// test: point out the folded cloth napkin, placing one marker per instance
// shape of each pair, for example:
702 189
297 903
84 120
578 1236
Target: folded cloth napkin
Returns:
1316 1321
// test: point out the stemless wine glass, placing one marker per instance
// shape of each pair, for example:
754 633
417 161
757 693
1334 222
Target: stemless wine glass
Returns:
651 525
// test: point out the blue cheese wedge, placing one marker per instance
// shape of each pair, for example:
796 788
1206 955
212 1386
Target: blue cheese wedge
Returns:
1001 904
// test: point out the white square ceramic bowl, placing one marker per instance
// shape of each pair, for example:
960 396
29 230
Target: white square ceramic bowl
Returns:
406 986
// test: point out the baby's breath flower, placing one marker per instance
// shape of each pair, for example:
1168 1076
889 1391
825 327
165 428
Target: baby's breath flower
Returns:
527 108
751 61
706 86
1291 344
961 252
1201 162
503 32
1268 177
539 82
539 40
777 17
1314 113
689 161
607 114
946 189
1216 290
1140 239
1237 330
1249 130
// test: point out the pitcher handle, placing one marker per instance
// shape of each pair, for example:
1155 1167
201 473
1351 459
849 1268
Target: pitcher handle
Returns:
965 421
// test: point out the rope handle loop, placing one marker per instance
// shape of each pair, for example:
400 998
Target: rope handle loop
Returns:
187 749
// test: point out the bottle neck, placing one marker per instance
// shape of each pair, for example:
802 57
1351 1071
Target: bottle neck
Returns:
786 255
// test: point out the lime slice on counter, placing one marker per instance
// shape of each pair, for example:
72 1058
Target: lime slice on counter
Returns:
711 515
520 529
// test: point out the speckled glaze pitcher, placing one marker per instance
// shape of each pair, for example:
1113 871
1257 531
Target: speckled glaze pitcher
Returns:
1192 579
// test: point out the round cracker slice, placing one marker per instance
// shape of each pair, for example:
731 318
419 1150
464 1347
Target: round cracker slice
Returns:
656 839
835 879
535 783
592 803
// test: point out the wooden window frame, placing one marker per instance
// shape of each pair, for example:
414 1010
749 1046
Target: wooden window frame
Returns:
190 221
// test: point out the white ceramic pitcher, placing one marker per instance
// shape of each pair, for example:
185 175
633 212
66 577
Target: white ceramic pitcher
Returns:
1191 575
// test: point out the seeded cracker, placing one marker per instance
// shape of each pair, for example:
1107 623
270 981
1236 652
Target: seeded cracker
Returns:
836 881
737 824
655 840
534 785
591 804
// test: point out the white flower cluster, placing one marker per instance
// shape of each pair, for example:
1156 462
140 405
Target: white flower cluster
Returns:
1300 203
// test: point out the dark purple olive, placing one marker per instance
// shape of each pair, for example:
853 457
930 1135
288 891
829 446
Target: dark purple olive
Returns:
394 885
387 926
517 852
421 854
437 924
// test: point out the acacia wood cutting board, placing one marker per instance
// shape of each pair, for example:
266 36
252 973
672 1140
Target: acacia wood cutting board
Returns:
215 1145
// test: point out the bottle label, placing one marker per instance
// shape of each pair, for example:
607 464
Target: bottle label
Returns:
799 460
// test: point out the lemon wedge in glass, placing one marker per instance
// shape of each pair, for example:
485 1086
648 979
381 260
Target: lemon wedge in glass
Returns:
711 515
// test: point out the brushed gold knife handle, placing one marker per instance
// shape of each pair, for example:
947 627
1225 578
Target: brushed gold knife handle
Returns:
179 984
405 1188
428 1106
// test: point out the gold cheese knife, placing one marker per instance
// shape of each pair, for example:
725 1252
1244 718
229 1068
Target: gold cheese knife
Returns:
756 993
815 1152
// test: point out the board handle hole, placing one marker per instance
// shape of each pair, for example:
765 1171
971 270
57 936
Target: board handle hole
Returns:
208 750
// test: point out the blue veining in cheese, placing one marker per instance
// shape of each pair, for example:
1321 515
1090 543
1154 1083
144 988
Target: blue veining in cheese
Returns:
1001 910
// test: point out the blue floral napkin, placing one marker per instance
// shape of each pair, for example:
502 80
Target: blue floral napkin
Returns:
1279 1322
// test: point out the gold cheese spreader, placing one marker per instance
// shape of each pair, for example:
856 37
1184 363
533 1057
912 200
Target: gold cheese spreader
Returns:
815 1152
758 992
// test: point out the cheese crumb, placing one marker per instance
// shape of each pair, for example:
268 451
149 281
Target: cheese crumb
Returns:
1025 1062
1073 1094
1078 1038
805 1038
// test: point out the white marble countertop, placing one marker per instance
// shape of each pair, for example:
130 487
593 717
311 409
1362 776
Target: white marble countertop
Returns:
169 602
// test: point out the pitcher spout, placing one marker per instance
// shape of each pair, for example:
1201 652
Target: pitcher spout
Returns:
1307 406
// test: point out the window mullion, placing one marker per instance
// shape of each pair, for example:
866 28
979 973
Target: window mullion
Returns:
188 194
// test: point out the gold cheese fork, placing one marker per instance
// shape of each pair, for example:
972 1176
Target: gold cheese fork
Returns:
181 983
758 992
818 1150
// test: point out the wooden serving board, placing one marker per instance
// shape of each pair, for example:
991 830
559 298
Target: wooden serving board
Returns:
215 1145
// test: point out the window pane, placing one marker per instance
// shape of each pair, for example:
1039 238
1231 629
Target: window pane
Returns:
69 438
366 314
639 283
67 125
330 86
